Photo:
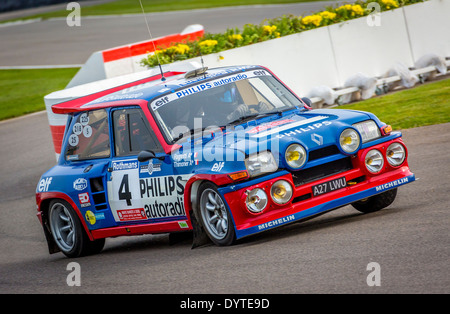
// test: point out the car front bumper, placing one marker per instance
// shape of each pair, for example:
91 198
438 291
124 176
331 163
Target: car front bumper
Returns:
361 184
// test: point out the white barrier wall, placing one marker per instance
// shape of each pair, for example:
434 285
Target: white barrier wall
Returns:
429 27
301 60
371 50
330 55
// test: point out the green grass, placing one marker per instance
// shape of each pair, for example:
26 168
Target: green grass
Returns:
23 91
419 106
133 6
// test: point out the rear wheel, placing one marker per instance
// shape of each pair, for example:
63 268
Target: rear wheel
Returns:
376 202
68 232
214 215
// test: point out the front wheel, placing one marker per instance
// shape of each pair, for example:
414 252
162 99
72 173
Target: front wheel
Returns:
376 202
68 232
214 215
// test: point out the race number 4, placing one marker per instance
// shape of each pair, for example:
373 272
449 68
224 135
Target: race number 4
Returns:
124 190
125 183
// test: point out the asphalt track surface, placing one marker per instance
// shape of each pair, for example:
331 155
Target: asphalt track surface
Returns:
329 254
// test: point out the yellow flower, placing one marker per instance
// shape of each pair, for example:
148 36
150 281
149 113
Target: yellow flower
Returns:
390 3
267 29
327 15
358 9
235 37
345 7
181 49
312 19
208 43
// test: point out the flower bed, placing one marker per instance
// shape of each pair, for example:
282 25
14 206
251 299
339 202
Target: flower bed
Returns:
266 30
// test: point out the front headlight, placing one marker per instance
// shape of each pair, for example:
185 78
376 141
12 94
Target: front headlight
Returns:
369 130
281 192
256 200
349 141
295 156
395 154
374 161
260 163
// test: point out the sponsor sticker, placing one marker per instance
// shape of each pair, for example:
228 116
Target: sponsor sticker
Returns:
270 125
44 184
276 222
124 165
157 103
90 217
300 127
93 217
80 184
392 184
84 199
218 166
131 214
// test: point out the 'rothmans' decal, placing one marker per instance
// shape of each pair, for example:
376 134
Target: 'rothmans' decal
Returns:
290 126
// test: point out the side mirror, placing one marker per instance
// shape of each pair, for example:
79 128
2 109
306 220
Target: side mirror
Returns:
146 155
307 101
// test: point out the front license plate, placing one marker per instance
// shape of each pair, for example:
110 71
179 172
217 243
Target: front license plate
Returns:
329 186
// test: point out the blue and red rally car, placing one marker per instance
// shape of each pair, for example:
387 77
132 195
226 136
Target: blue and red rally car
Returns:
226 152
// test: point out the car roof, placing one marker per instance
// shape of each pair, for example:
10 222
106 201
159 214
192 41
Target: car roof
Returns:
144 89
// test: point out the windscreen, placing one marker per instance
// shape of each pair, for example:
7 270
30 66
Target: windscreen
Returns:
220 102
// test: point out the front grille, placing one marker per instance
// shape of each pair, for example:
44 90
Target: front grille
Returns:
323 152
318 172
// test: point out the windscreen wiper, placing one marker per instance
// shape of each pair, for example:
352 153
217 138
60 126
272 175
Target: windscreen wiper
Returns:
191 132
245 117
279 112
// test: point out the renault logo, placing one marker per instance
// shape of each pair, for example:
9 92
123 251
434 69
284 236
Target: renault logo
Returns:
316 138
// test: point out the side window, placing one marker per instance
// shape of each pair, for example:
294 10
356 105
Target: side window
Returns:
89 136
132 133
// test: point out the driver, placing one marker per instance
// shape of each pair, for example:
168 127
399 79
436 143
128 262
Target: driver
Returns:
224 104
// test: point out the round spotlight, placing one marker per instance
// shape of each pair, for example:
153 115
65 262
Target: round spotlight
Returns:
295 156
349 141
374 161
281 192
256 200
395 154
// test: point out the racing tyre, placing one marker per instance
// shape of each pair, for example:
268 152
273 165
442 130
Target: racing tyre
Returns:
215 216
376 202
68 232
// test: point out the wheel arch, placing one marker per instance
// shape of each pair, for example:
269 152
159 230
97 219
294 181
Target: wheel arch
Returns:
44 206
191 191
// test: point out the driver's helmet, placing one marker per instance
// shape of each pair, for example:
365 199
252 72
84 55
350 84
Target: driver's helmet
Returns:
222 99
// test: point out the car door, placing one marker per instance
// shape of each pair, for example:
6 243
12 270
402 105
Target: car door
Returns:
141 192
